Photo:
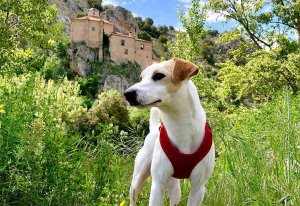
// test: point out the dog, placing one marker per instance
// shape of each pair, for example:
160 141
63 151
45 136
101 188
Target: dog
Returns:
167 88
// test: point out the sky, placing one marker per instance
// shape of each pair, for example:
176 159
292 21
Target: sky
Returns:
165 12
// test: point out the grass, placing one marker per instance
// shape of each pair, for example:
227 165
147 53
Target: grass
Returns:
46 161
259 163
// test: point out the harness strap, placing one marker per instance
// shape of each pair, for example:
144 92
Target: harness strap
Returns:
184 164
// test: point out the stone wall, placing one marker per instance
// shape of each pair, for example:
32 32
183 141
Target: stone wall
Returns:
116 83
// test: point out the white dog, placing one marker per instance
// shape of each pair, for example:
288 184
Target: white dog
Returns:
184 132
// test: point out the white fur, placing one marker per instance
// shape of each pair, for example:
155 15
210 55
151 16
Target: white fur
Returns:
185 119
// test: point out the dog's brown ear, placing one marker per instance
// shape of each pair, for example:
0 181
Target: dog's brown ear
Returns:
183 70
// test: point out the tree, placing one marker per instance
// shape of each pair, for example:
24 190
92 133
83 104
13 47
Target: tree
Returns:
96 4
171 28
163 39
287 13
263 21
188 45
139 21
28 31
163 29
144 35
149 22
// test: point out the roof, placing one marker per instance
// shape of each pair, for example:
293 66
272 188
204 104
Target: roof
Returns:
94 19
93 9
127 36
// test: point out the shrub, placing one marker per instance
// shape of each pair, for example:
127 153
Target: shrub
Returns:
109 108
163 39
139 118
81 14
89 85
43 160
144 35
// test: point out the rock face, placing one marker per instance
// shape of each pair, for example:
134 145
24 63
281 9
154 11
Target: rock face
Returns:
67 9
81 56
122 19
116 83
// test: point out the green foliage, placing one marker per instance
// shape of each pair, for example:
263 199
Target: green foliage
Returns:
163 40
139 120
171 28
44 160
151 30
139 21
188 43
96 4
149 22
81 14
110 108
28 34
163 29
89 85
144 35
108 6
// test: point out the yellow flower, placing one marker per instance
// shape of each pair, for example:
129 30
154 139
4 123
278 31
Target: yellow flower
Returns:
123 203
2 108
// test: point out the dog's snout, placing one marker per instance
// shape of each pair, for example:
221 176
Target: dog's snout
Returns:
131 97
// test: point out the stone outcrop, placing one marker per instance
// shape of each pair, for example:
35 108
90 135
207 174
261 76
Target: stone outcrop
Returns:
122 19
81 56
116 83
67 9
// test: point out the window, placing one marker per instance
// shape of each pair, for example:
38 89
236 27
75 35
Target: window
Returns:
147 57
142 46
93 29
122 42
126 51
94 13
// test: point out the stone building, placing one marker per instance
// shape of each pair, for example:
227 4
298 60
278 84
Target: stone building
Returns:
122 47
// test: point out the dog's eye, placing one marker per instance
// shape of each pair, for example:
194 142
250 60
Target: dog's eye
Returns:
158 76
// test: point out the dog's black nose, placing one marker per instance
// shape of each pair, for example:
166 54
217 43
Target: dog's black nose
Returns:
131 97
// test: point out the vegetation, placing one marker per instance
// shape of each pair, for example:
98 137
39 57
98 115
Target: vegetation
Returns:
61 142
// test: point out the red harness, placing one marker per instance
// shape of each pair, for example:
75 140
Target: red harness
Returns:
184 164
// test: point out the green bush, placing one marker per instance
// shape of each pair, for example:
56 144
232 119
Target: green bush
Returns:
42 159
139 119
144 35
163 39
81 14
109 108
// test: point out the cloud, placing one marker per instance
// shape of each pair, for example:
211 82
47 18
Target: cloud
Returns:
128 2
136 15
215 17
179 27
119 2
185 1
113 2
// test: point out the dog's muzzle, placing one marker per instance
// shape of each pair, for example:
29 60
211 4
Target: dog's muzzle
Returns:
131 97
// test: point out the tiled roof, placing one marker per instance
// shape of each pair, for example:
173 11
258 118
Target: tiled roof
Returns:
94 19
127 36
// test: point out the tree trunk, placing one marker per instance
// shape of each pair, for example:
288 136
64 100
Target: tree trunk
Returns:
298 35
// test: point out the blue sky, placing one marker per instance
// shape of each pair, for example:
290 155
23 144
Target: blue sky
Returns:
165 12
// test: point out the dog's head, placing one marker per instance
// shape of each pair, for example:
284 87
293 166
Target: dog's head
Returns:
160 83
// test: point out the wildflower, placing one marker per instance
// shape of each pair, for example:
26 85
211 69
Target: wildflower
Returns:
2 108
123 203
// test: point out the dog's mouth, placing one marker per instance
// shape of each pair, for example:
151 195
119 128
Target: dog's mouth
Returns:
149 105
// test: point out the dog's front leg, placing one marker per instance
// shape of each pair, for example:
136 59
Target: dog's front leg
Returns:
140 174
161 172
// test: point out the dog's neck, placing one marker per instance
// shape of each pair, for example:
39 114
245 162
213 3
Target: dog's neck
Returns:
185 120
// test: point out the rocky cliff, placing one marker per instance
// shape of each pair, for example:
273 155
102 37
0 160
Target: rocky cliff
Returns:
122 19
80 55
68 9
